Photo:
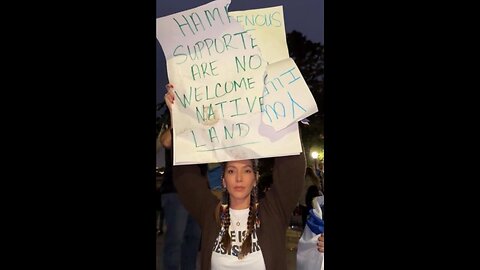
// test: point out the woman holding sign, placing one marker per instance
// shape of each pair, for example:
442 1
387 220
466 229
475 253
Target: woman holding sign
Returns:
239 231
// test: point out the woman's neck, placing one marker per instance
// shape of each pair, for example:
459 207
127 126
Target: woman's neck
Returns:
239 204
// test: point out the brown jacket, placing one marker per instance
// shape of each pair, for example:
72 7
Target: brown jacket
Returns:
274 210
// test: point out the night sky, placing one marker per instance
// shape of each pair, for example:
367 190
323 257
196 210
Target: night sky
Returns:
305 16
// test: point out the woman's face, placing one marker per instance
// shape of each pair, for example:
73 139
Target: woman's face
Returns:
239 179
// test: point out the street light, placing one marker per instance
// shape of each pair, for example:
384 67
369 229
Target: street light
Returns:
314 154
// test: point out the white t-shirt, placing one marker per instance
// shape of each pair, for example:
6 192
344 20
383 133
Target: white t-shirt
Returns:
221 259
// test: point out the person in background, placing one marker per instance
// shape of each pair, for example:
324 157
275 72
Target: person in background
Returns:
311 189
182 237
158 208
215 171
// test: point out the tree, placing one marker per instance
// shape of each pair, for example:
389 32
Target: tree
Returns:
309 57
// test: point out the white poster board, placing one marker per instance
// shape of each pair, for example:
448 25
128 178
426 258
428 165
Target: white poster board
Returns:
219 75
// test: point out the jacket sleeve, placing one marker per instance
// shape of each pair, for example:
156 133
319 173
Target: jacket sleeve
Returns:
193 191
288 177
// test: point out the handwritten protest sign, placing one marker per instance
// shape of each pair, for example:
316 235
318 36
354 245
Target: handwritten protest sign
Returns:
218 72
287 98
267 26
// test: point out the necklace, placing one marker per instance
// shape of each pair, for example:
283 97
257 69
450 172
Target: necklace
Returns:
237 219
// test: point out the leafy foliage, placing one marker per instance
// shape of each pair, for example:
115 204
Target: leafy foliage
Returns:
309 57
